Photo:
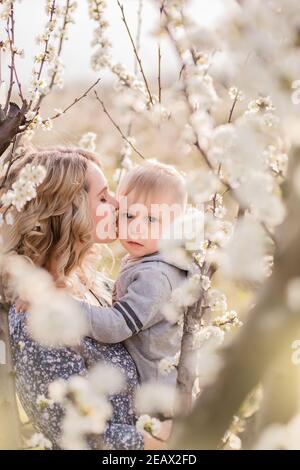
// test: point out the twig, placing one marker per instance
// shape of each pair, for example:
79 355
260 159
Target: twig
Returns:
10 162
135 52
1 62
118 127
61 40
75 101
233 106
159 61
159 73
138 33
138 44
52 11
11 40
10 20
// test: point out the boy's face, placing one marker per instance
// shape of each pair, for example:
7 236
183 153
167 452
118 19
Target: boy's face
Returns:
143 220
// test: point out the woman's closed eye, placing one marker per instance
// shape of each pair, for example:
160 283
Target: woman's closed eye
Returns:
104 196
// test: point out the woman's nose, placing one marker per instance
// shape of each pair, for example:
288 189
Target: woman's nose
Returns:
113 201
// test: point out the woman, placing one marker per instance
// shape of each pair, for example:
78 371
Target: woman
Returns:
57 230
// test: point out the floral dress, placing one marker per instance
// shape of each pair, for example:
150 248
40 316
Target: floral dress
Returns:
37 366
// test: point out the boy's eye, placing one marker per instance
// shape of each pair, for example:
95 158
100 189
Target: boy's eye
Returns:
129 216
152 219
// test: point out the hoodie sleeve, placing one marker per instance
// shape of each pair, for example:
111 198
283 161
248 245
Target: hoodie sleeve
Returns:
139 309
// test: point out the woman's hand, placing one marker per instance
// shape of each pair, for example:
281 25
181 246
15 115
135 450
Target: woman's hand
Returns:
21 306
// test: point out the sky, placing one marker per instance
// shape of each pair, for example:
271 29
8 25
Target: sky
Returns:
30 18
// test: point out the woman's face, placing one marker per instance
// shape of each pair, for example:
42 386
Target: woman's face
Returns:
102 206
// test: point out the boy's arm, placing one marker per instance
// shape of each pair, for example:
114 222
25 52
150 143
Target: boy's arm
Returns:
137 310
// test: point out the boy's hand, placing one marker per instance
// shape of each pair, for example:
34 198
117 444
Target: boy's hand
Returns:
151 443
21 306
165 429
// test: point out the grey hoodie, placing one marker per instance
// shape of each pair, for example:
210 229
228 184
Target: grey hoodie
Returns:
141 290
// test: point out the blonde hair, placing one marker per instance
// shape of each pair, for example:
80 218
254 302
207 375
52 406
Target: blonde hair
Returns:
154 177
55 226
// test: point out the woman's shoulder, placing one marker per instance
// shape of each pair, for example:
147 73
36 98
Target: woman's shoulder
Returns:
15 319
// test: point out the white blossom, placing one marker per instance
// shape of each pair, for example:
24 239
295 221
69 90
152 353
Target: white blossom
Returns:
227 321
206 358
38 440
217 300
233 442
242 256
280 436
205 282
154 398
44 402
85 402
236 94
33 174
88 141
148 424
54 318
167 364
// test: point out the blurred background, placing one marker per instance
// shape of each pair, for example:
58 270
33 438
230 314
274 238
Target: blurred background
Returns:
88 117
31 17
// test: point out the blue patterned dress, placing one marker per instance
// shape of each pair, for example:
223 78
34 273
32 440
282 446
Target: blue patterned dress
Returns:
37 366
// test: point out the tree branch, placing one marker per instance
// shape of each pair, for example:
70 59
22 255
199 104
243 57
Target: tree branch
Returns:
61 39
135 52
84 95
11 125
118 127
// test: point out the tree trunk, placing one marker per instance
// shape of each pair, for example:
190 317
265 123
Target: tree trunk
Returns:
10 125
186 371
268 334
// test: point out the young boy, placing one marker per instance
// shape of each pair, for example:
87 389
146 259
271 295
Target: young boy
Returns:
150 198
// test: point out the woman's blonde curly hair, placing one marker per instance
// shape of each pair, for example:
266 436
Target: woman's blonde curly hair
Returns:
55 227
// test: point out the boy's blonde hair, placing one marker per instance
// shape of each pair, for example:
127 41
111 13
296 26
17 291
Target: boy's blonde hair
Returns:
154 176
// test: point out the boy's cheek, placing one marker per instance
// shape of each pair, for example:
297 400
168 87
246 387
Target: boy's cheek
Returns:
152 245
